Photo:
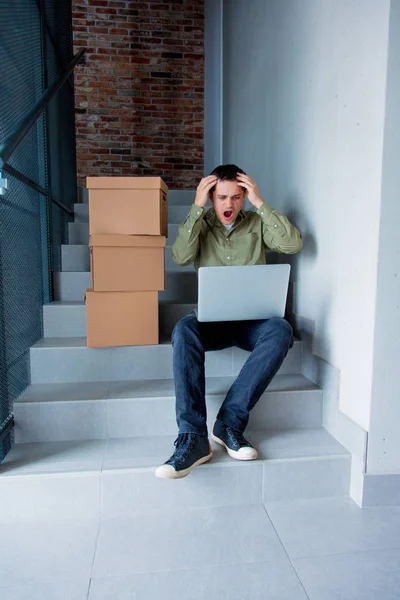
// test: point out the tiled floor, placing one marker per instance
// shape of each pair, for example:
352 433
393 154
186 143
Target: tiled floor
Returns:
319 549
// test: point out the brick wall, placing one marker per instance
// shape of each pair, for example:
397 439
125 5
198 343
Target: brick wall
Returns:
140 97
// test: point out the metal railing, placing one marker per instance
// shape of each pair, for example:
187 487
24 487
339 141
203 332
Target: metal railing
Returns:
22 129
37 179
6 150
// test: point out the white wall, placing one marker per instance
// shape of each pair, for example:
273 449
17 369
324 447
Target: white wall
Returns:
213 89
304 98
248 98
383 440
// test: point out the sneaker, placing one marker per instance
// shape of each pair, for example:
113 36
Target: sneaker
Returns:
234 441
191 450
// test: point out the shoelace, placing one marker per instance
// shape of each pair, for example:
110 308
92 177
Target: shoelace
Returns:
184 444
236 437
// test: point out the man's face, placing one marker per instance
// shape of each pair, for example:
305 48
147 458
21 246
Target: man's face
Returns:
227 198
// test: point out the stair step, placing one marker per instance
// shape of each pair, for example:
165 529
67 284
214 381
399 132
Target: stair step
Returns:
72 411
169 314
180 286
75 258
178 214
115 476
68 319
64 319
78 233
181 197
70 286
172 267
83 194
172 234
175 197
63 359
81 213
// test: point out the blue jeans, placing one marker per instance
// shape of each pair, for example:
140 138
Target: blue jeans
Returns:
268 341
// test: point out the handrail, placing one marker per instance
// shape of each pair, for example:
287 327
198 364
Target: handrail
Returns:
18 175
20 131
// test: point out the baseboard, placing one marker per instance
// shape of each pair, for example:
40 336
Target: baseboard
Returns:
352 437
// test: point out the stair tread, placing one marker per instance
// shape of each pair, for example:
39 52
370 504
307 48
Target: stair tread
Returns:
55 303
76 342
80 342
147 452
167 271
150 388
82 303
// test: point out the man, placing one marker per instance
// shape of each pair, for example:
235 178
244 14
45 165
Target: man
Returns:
225 235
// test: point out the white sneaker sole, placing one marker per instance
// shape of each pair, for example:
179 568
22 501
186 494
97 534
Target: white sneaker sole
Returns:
252 455
168 471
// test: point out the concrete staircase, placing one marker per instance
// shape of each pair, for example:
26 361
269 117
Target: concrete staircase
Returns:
94 423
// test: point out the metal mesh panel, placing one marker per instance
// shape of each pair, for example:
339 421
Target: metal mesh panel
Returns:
35 47
58 40
20 60
21 271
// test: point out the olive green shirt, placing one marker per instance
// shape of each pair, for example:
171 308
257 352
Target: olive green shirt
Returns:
204 240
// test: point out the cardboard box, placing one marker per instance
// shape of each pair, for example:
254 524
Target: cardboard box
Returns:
128 205
121 318
127 263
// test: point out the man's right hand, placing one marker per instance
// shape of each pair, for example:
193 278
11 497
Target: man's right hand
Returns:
203 188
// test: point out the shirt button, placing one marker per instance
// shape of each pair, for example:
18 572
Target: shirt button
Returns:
275 225
198 212
262 212
227 257
189 230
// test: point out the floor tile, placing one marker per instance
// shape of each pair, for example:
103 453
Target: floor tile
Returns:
71 587
36 551
185 539
256 581
73 494
368 575
333 525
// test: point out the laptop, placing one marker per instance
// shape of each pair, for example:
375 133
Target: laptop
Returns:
242 293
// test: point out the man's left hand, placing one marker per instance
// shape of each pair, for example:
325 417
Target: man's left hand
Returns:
253 193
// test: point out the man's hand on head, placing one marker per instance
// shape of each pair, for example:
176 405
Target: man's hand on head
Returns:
253 193
203 189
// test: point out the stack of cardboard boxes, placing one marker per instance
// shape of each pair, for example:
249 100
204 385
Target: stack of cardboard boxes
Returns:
128 226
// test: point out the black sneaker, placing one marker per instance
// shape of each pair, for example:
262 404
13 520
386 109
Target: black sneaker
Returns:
191 450
234 441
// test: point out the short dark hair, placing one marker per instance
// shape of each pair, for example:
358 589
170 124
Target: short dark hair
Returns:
226 172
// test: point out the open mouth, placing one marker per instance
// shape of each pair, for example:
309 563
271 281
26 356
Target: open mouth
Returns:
228 214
